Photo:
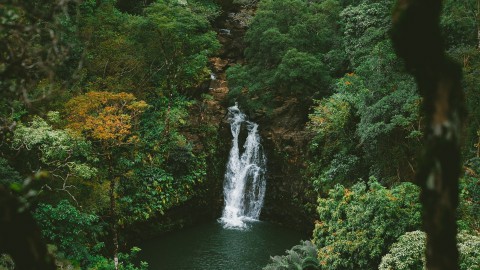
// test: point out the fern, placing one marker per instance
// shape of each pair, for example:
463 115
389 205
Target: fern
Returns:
300 257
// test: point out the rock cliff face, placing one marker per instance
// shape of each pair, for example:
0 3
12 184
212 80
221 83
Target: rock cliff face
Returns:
283 132
284 139
289 199
230 28
208 129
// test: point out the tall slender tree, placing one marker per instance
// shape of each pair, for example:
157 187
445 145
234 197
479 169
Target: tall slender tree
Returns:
109 120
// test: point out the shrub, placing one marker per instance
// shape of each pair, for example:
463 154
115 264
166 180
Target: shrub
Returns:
303 256
358 224
409 252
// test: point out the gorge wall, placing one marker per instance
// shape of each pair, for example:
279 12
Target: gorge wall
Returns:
283 132
283 135
289 200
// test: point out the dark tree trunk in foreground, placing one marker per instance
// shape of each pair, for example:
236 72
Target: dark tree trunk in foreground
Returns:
417 39
20 236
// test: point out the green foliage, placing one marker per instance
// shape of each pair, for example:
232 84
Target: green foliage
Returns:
364 122
408 253
146 195
330 115
32 50
126 262
302 256
333 125
165 49
469 249
132 7
291 52
357 125
470 57
205 8
469 209
357 225
460 22
240 85
76 236
373 112
64 155
365 24
75 233
6 262
152 191
165 169
60 261
301 71
155 50
387 107
7 174
58 150
186 41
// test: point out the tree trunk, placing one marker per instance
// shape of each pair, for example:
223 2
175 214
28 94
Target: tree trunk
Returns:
478 144
20 237
478 36
417 39
113 215
478 23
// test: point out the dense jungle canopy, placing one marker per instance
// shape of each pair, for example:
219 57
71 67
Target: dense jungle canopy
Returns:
113 127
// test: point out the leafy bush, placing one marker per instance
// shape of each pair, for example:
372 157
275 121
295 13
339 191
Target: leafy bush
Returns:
58 150
469 249
409 252
291 52
373 112
125 262
72 231
149 193
469 209
406 254
303 256
357 225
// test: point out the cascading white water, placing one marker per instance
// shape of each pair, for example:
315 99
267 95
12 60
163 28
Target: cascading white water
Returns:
244 185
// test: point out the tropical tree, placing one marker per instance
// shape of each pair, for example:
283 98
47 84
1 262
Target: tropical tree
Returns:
292 52
109 121
63 155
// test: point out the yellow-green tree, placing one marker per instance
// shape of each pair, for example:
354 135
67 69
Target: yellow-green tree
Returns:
109 120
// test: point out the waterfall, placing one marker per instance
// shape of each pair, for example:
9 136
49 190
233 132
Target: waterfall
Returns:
244 185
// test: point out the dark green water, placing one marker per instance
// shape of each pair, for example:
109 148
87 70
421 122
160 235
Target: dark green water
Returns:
211 247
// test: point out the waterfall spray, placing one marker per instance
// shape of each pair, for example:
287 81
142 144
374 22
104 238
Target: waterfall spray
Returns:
244 185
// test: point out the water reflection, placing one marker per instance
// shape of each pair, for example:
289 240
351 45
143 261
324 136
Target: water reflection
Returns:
210 246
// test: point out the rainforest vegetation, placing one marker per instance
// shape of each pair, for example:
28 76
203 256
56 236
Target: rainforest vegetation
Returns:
108 124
